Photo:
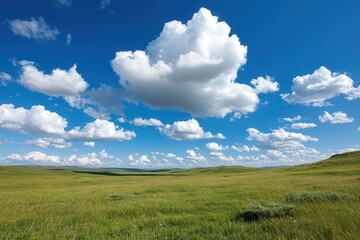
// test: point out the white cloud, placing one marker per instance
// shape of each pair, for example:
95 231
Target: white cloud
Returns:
244 148
38 120
194 156
35 120
89 144
187 130
4 78
302 125
315 89
147 122
68 39
122 120
139 160
190 67
63 3
358 129
49 142
104 3
40 158
279 139
60 83
213 146
265 85
101 130
93 159
294 119
33 29
336 117
173 156
221 157
37 158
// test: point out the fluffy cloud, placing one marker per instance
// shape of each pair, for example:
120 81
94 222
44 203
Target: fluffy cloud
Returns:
101 158
358 129
89 144
60 83
213 146
336 117
244 148
101 130
221 157
265 85
38 120
190 67
315 89
166 156
49 142
294 119
139 160
37 158
35 120
279 139
302 125
194 156
187 130
147 122
63 3
33 29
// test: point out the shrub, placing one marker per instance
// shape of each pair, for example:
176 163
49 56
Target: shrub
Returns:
263 210
295 197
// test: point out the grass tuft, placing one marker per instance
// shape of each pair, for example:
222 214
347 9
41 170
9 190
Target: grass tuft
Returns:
264 210
121 196
298 197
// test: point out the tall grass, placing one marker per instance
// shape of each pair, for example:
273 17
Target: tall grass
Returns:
40 203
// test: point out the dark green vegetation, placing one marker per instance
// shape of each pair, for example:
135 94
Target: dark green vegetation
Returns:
261 210
46 203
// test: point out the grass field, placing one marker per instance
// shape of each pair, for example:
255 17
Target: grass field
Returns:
73 203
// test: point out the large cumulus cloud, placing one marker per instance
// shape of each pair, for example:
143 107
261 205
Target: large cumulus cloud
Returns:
190 67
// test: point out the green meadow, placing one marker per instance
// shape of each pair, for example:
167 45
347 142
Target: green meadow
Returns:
322 202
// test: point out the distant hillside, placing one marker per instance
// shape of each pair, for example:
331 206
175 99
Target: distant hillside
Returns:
344 163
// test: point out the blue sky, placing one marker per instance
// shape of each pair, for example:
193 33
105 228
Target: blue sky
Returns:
154 84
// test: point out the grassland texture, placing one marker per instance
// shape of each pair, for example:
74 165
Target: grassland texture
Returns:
46 203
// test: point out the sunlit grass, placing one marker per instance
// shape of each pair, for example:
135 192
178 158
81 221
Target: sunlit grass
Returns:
41 203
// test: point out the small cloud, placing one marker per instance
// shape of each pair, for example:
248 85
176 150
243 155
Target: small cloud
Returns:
302 125
122 120
104 4
89 144
194 156
335 118
316 88
294 119
265 85
213 146
187 130
4 78
68 38
63 3
100 130
139 160
49 142
33 29
60 83
244 148
152 122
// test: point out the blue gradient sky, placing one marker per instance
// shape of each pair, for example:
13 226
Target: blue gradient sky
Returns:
284 39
